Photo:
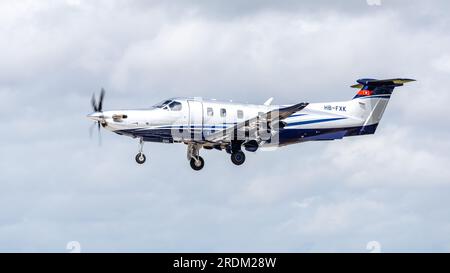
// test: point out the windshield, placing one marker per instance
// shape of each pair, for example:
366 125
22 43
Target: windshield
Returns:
175 106
162 104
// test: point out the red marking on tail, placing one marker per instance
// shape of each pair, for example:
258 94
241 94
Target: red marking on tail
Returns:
365 93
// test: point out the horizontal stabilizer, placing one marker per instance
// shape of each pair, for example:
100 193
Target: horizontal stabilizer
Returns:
374 83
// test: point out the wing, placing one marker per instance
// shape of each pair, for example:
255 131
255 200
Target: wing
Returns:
256 127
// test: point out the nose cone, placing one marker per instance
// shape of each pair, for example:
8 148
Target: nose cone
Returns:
96 116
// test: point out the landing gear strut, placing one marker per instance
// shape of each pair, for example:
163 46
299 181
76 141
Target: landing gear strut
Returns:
140 157
193 155
238 158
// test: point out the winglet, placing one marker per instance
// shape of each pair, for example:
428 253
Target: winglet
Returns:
268 102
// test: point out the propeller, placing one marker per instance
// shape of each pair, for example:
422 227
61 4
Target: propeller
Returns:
97 115
98 107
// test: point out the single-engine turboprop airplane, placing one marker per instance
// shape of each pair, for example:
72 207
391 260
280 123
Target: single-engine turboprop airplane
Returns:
232 127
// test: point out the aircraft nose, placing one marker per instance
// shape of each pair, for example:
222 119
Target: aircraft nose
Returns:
96 116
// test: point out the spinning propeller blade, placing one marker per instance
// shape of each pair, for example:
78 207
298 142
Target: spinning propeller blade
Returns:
93 103
100 103
97 108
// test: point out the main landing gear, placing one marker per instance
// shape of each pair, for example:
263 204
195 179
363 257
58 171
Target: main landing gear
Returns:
140 157
193 155
197 163
238 158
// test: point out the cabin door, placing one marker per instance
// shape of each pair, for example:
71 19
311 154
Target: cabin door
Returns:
196 119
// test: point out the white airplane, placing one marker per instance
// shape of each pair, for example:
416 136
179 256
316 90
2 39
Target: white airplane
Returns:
232 127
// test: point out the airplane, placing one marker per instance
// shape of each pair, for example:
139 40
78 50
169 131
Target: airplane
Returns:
234 127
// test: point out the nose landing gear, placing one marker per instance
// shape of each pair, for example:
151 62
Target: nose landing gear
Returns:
140 157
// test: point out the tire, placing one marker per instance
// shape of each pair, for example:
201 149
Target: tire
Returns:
197 165
140 158
238 158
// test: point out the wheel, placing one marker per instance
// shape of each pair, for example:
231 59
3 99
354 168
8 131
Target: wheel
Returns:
140 158
238 158
198 164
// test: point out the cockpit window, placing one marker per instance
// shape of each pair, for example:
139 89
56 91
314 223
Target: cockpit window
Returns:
162 104
175 106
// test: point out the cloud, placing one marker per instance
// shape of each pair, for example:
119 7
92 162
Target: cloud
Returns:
58 186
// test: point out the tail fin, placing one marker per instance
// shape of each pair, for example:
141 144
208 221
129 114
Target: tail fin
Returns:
372 99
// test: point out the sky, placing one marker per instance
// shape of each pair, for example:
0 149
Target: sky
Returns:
57 185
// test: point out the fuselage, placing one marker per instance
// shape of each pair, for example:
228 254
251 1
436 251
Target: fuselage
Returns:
233 127
168 121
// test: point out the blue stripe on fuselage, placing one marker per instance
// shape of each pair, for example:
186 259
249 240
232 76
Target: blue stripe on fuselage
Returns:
312 121
286 136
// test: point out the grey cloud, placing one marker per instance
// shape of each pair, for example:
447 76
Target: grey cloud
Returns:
58 186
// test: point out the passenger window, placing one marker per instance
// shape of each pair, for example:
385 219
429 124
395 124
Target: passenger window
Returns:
240 114
210 112
175 106
223 112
